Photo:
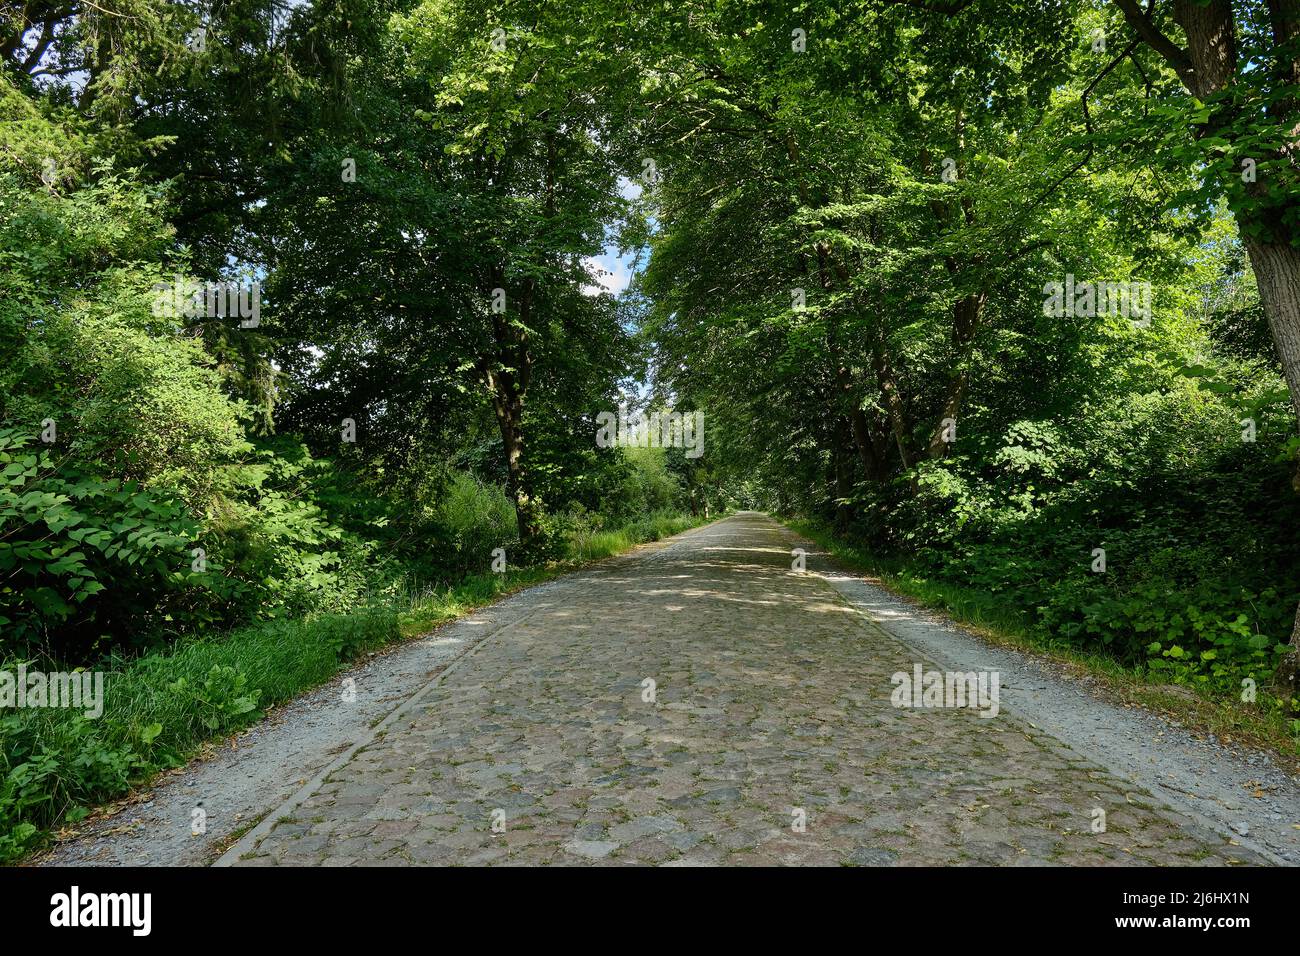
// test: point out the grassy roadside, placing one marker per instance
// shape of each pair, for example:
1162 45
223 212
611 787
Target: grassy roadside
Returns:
160 709
1257 726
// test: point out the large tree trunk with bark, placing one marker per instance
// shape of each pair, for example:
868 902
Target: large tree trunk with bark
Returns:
1277 272
507 378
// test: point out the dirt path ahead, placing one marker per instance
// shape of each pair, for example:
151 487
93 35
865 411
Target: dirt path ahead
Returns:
768 736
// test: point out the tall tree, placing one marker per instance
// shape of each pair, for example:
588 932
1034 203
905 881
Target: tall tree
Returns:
1241 64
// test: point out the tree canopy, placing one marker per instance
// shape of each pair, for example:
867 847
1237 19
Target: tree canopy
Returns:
1007 291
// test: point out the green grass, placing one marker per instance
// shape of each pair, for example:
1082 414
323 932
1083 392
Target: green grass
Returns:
161 708
602 544
433 608
969 605
1262 726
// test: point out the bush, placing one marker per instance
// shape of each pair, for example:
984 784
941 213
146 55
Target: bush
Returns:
648 486
475 518
83 555
90 560
1187 520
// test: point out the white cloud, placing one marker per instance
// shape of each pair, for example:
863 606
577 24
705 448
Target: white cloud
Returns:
610 273
629 189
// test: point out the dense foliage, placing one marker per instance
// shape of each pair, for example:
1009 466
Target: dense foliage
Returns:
218 505
1008 292
852 265
168 472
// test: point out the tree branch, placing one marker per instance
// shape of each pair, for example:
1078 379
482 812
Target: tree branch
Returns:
1150 34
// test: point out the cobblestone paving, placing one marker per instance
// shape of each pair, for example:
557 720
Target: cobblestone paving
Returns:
772 697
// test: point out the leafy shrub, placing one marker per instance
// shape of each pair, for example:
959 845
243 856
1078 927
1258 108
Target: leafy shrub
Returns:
475 518
292 538
223 698
1192 589
648 486
349 635
81 554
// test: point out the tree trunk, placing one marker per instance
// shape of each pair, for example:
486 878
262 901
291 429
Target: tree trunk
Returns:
1277 272
509 408
507 375
843 464
965 323
870 450
893 398
859 427
938 446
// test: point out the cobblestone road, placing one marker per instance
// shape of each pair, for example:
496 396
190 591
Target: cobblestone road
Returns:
771 739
